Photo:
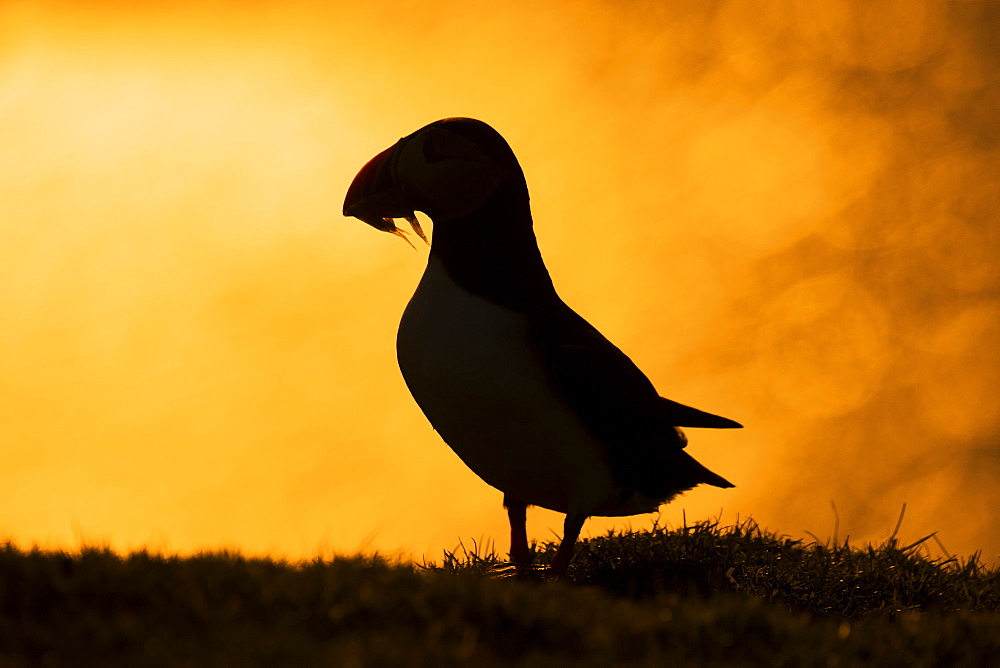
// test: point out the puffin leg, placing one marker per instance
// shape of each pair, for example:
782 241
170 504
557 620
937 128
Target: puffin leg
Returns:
571 531
517 513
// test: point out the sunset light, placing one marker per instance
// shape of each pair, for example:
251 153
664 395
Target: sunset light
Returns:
787 216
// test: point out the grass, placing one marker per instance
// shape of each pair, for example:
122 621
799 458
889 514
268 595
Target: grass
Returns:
703 594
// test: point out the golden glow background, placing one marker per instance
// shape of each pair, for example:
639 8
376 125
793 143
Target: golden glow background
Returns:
786 212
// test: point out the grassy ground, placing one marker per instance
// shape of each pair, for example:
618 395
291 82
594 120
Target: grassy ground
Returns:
698 595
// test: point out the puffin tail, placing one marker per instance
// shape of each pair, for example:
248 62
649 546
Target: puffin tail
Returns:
699 472
716 480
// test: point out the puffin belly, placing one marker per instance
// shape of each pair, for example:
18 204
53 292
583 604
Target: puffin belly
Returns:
471 368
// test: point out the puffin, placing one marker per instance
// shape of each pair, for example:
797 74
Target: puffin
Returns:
531 397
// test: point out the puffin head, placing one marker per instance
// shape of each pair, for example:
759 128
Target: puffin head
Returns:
449 170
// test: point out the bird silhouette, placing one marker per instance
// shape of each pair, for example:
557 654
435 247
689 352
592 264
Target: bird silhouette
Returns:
526 392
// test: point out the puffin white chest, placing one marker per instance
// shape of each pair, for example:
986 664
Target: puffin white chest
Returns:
470 367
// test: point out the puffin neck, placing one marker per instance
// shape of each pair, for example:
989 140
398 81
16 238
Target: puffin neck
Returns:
493 254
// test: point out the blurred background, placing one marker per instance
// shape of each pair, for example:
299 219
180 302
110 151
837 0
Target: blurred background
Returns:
785 212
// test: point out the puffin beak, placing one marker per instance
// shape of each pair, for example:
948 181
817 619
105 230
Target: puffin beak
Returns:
376 198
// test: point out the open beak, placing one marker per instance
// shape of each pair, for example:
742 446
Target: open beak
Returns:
376 198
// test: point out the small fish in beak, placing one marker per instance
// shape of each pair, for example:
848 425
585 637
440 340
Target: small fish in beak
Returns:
384 224
392 229
415 224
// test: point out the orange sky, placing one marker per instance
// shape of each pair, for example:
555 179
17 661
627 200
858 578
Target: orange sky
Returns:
785 213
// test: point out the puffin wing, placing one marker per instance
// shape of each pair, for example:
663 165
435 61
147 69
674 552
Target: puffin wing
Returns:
608 388
612 396
619 404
